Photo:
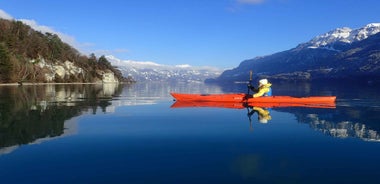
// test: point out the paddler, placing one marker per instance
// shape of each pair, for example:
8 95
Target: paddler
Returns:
264 89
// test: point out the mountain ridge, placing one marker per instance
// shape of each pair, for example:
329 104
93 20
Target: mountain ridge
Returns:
344 35
151 71
340 53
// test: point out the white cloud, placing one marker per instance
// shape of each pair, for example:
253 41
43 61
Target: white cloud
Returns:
44 29
109 52
84 48
5 15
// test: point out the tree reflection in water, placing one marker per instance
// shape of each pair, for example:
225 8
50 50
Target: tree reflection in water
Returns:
32 112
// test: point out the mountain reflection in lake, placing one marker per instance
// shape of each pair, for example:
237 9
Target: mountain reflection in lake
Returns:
109 133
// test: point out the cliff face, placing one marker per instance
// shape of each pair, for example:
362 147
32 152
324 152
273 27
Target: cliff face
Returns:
68 69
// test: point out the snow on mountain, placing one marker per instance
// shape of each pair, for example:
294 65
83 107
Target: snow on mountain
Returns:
343 35
342 54
151 71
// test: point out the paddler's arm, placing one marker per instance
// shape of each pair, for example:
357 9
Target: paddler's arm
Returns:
261 92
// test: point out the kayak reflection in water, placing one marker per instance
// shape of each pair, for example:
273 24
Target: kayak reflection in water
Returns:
263 114
263 90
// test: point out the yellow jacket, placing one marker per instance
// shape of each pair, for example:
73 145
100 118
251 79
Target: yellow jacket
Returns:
262 90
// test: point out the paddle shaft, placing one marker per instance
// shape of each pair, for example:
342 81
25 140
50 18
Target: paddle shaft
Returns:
250 81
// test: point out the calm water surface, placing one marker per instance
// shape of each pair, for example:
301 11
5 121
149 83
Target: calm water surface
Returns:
134 134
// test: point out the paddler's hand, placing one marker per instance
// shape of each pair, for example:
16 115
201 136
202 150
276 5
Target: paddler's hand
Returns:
247 96
251 87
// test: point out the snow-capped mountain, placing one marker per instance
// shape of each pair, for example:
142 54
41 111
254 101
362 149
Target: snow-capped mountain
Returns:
343 53
343 35
151 71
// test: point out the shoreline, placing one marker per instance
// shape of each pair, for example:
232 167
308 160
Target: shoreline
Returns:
55 83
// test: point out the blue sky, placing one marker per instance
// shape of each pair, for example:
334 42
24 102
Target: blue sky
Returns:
219 33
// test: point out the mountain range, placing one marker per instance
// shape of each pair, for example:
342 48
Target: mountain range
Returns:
343 53
150 71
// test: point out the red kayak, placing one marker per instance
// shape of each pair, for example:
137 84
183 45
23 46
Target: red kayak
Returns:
241 98
240 105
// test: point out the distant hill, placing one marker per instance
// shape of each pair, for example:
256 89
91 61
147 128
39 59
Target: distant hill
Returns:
27 55
150 71
342 53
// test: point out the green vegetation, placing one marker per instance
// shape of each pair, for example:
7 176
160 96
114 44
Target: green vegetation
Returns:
22 49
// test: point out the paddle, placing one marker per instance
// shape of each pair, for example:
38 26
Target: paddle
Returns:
249 86
249 114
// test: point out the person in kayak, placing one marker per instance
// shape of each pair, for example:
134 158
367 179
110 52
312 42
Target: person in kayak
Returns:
264 89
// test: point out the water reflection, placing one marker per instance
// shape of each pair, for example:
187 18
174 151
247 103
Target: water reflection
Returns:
29 114
357 112
34 113
263 114
151 93
340 121
343 122
149 142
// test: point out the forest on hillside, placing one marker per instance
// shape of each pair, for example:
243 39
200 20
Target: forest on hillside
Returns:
23 48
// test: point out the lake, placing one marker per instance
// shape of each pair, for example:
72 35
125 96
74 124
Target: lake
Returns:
135 134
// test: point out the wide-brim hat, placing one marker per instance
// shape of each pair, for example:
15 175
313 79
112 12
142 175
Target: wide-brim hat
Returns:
263 82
